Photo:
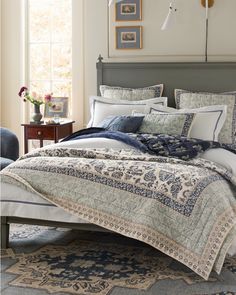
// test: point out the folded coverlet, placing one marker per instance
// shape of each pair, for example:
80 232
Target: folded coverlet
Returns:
186 209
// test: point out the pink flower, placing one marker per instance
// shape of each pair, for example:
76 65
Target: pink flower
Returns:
48 97
34 94
23 89
34 97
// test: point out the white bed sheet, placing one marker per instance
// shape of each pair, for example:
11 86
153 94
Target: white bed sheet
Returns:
19 203
222 157
97 143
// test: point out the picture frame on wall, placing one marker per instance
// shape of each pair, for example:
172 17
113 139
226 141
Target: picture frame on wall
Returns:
58 108
129 10
129 37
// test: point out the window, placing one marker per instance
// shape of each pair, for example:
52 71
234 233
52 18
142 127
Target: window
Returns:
50 46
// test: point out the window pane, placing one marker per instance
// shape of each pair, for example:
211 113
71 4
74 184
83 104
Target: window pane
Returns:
41 87
62 88
40 20
61 21
61 56
40 61
41 3
50 46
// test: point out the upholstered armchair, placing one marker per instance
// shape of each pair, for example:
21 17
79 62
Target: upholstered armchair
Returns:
9 147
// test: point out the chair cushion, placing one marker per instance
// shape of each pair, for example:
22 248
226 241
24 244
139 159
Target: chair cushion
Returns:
4 162
9 144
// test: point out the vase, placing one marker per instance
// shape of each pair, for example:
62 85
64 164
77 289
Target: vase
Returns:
37 116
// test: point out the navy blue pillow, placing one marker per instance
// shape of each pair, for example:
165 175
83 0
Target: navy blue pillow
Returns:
126 124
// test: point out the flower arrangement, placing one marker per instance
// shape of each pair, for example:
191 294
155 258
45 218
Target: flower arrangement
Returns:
34 98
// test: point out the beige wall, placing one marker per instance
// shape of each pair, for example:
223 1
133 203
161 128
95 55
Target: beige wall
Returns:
0 62
93 34
95 43
12 65
185 41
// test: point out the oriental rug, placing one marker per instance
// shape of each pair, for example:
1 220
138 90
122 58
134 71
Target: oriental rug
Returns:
57 261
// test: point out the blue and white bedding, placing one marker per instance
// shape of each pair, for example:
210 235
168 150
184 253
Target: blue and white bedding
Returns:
176 146
33 206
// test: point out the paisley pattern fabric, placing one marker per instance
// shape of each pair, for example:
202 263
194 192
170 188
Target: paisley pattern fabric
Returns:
157 200
132 94
156 144
167 123
186 99
179 147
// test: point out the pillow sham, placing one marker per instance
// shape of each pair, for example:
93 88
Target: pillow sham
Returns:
131 94
187 99
167 123
126 124
207 123
102 107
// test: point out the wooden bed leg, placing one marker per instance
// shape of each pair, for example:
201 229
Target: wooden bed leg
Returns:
4 232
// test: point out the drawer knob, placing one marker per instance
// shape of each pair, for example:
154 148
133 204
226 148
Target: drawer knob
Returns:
39 133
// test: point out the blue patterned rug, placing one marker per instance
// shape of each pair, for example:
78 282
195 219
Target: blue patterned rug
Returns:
72 262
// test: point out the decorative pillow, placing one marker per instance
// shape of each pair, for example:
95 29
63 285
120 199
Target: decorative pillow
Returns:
207 123
103 107
126 124
131 93
167 123
187 99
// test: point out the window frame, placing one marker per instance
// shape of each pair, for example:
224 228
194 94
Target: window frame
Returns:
77 106
28 44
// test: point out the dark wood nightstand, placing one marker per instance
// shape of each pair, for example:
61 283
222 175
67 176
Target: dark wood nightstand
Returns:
46 132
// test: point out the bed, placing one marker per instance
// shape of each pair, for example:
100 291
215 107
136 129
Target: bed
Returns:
19 205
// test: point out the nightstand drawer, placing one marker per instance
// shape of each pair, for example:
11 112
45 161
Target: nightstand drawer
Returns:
47 132
41 133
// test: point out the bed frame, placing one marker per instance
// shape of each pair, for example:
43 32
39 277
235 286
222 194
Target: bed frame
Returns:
197 76
212 77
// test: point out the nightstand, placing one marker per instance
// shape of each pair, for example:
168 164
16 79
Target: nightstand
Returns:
46 132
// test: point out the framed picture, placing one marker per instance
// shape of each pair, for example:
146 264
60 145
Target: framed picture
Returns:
58 108
129 10
129 37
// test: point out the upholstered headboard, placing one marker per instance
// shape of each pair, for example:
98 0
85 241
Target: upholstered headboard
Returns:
210 77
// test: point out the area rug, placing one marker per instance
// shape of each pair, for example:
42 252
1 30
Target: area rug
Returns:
84 263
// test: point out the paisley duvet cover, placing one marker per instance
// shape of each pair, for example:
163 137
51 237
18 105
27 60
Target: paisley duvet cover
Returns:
186 209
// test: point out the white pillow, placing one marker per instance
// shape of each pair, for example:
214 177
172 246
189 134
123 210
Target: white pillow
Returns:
223 157
207 123
186 99
131 94
102 107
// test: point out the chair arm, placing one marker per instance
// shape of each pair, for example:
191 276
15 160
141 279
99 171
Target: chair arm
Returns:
9 144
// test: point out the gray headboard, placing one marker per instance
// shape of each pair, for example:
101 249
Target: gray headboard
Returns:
209 77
